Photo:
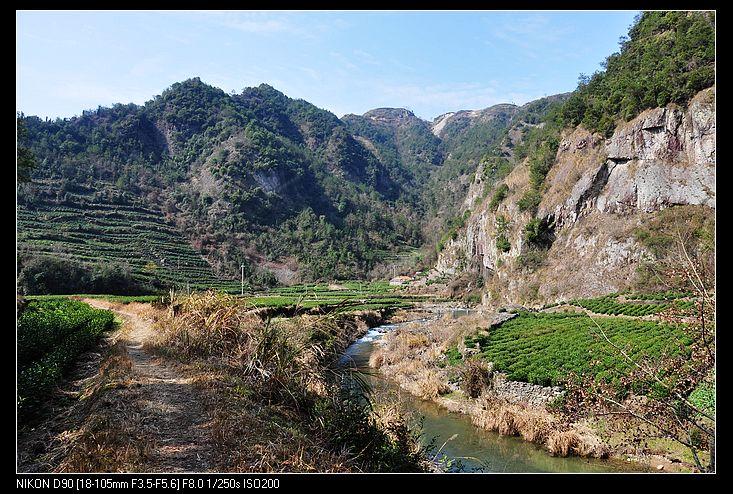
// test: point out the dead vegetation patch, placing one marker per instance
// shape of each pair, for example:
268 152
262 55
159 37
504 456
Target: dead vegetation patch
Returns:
101 432
275 400
538 426
411 356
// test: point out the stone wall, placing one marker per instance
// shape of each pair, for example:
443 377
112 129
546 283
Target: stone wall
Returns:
521 392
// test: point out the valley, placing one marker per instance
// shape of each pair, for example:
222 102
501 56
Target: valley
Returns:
245 282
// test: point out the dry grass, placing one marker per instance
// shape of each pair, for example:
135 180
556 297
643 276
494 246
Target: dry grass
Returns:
431 384
115 371
534 425
409 357
254 437
538 426
277 358
273 399
576 441
237 394
474 376
562 443
109 436
100 430
582 157
409 354
406 357
206 324
108 442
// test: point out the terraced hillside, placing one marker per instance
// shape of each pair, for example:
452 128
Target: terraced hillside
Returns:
344 297
155 250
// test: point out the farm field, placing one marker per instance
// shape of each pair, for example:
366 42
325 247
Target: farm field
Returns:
123 299
131 235
342 297
346 296
51 335
547 349
635 304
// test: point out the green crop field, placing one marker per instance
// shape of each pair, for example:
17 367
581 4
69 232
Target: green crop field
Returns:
547 349
348 296
635 304
51 335
668 295
124 299
131 235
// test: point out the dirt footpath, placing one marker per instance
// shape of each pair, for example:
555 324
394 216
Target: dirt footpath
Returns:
176 421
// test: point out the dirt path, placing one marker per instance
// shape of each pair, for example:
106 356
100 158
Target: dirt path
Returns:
175 416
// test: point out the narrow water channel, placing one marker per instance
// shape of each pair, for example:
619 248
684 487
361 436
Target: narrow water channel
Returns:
474 449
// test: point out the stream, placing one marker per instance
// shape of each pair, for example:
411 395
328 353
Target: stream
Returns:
453 434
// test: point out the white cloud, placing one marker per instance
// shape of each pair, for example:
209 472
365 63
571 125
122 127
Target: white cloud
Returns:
367 58
302 25
344 60
531 34
312 73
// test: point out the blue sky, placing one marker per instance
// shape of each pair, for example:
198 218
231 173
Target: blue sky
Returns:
345 62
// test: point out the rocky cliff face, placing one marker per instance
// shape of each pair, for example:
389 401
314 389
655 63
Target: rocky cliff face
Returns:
392 116
456 121
596 194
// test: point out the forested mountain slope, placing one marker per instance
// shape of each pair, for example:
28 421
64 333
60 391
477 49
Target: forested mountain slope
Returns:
244 178
256 179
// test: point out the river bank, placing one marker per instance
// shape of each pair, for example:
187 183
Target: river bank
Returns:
409 356
455 443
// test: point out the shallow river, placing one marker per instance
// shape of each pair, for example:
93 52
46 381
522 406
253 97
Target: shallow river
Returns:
476 449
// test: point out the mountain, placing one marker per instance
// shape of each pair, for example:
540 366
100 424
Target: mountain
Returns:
198 184
401 140
257 179
588 208
214 181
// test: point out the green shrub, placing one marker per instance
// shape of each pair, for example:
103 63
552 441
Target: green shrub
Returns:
499 195
453 355
531 259
667 58
609 305
703 397
51 335
503 244
530 200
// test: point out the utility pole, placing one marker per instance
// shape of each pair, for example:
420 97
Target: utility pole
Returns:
242 279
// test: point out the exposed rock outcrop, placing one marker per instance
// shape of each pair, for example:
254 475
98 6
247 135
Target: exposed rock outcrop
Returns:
392 116
664 157
595 196
451 122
